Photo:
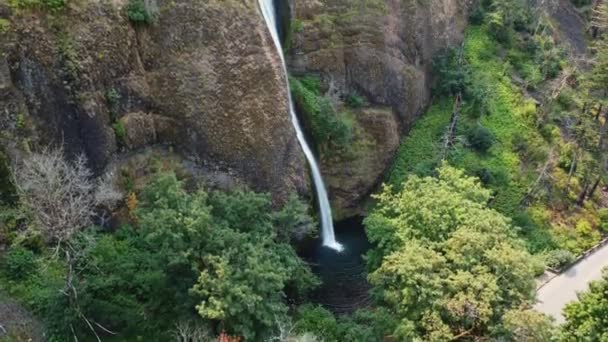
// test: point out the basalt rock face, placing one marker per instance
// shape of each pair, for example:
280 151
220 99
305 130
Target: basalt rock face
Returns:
204 77
382 51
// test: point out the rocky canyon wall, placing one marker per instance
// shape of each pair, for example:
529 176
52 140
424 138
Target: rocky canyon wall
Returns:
204 78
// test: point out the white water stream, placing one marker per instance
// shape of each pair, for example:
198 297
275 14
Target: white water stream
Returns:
327 225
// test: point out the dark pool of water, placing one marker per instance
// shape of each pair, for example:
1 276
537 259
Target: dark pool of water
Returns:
345 287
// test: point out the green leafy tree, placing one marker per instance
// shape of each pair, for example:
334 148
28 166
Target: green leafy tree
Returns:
587 318
231 241
444 263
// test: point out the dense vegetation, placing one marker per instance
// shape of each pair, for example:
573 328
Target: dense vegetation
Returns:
501 177
541 156
329 128
224 257
446 265
586 318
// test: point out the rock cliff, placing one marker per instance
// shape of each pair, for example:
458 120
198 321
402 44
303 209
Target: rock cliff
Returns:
383 51
205 78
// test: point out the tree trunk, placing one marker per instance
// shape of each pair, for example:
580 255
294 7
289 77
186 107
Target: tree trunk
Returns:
571 172
594 187
582 195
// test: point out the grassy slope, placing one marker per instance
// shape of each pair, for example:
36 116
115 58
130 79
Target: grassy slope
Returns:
510 117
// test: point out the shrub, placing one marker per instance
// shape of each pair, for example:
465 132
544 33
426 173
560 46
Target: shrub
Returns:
485 176
451 76
19 263
603 216
559 257
120 132
480 138
355 101
138 13
476 17
53 5
5 25
326 125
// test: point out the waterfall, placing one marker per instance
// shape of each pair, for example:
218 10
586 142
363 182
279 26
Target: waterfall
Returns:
327 225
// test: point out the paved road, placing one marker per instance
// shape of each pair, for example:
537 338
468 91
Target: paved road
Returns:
562 289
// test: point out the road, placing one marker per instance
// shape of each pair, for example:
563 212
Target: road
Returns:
554 295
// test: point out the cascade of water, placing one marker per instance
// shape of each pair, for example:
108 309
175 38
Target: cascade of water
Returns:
327 225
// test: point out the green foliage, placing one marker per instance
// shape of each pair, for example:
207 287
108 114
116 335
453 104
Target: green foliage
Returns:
559 258
579 239
355 100
451 76
19 263
120 132
440 252
39 291
527 325
327 126
419 149
363 325
587 318
5 25
224 256
53 5
8 193
477 16
231 240
480 138
603 216
138 13
113 98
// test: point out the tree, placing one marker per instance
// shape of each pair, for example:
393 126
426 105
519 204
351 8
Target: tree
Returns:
230 241
587 318
59 194
448 266
527 325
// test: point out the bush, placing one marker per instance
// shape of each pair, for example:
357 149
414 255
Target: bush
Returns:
480 138
120 132
19 263
603 216
451 76
327 126
138 13
53 5
476 17
485 175
559 257
355 101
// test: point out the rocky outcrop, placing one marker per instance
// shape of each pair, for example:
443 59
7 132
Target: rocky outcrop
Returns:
383 51
351 175
380 49
203 77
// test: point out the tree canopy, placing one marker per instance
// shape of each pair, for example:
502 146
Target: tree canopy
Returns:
447 265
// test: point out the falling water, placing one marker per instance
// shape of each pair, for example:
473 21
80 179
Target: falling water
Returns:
327 226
